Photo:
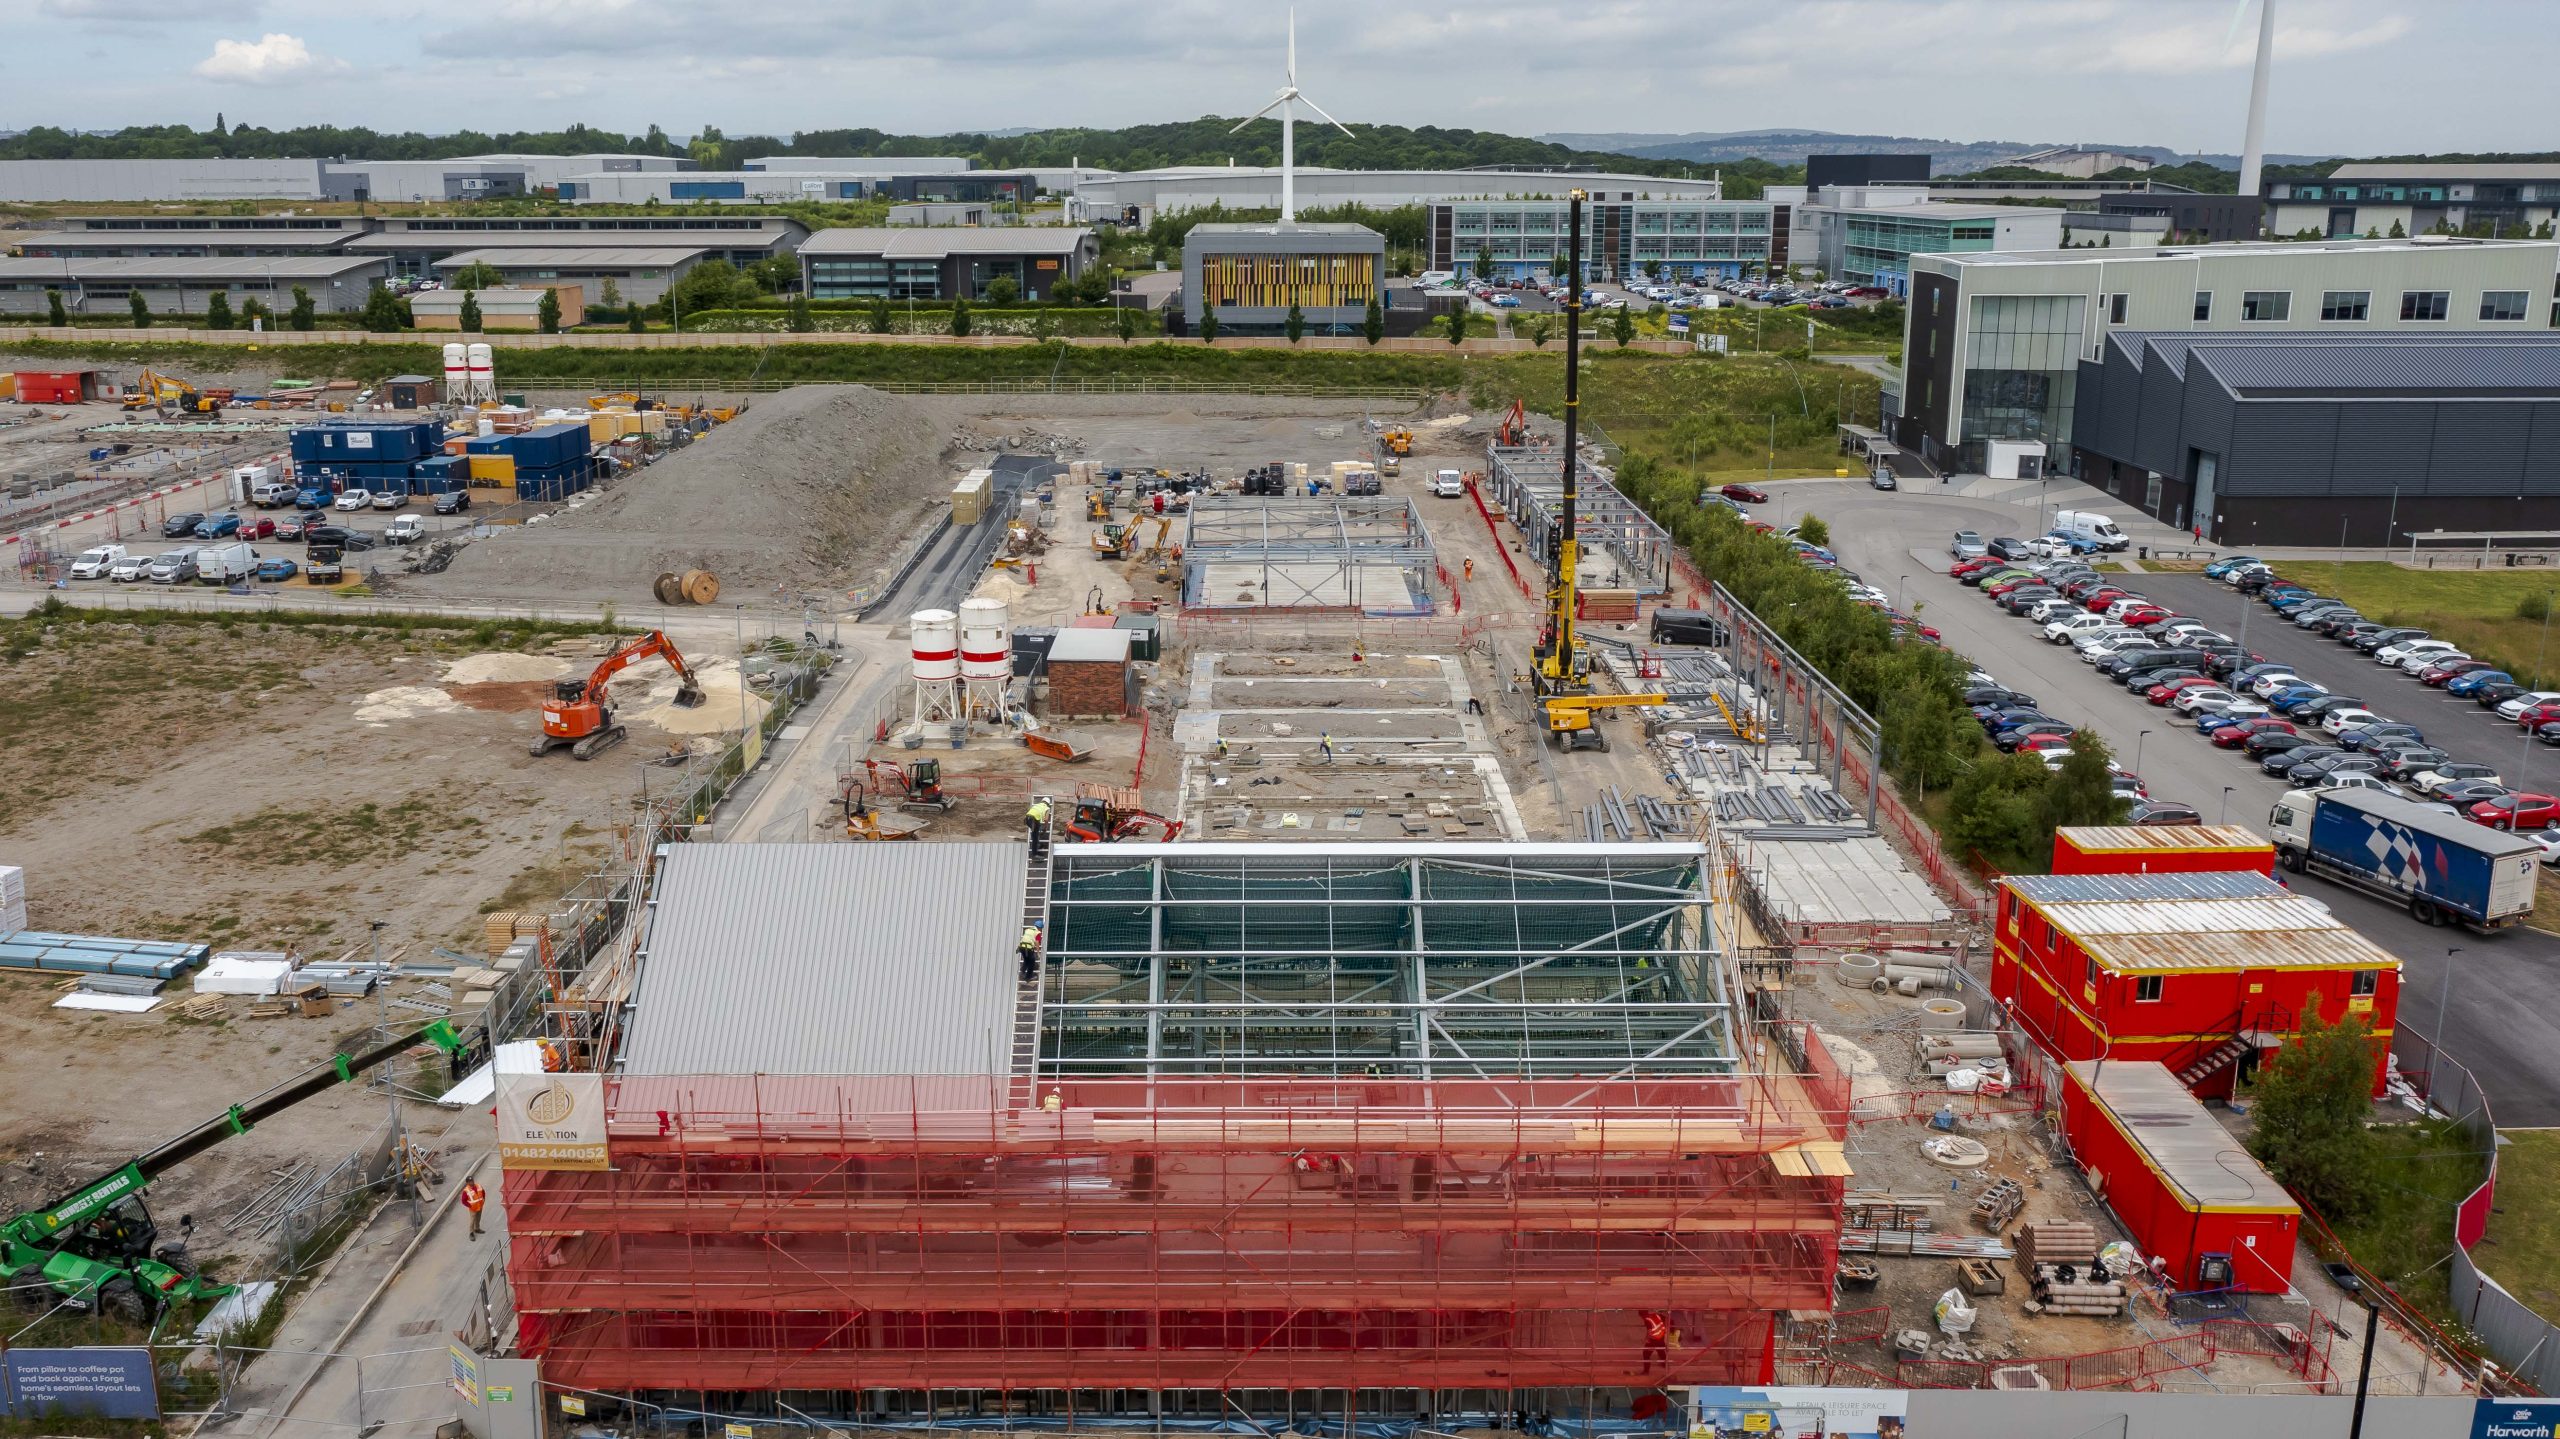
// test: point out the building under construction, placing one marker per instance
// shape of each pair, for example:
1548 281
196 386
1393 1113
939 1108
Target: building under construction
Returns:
1280 1131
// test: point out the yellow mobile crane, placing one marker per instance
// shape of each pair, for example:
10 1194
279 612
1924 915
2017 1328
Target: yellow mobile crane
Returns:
1559 669
1569 716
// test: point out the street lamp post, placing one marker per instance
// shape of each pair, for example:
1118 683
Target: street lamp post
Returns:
2364 1368
2444 994
2138 737
2224 809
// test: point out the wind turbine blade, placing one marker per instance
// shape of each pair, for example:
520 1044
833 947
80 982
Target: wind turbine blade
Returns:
2239 12
1293 45
1321 115
1258 114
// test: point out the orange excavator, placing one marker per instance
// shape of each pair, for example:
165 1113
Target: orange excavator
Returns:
579 714
1102 820
1513 428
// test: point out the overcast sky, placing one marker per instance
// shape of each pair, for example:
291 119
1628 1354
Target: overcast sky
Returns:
2352 76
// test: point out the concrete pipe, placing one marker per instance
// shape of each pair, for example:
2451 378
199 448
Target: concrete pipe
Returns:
1925 978
1919 959
1941 1014
1880 985
1907 987
1960 1046
1858 970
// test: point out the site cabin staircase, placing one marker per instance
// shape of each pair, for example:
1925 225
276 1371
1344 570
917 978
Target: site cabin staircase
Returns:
2247 1039
1026 999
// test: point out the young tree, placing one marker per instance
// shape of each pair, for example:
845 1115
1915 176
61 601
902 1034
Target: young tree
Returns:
253 310
470 311
379 315
478 275
960 316
1484 264
2398 231
2082 792
1373 323
803 319
1654 271
1295 325
217 311
1458 319
1208 322
635 319
547 314
1622 327
305 315
1124 322
1540 329
1813 531
1004 292
880 317
1991 811
2312 1103
141 310
609 297
53 312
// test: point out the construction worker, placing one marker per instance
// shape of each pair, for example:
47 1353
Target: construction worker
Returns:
1222 749
1036 820
1324 742
1657 1336
553 1061
1467 569
1028 951
474 1198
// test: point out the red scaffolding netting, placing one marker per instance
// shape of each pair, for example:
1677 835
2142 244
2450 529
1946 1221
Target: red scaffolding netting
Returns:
920 1233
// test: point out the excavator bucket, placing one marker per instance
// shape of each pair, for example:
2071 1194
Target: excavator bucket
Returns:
689 696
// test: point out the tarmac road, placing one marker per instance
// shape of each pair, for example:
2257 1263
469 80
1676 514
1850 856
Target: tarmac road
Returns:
2500 1012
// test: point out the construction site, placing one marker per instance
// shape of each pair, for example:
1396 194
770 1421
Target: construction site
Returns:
1286 913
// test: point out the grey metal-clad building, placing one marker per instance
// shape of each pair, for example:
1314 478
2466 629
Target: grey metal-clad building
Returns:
2291 438
196 236
164 180
833 959
338 283
917 262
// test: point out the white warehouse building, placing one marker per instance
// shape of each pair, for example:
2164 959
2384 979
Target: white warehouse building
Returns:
1104 196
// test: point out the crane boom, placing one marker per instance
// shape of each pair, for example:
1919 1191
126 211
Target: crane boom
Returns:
1558 669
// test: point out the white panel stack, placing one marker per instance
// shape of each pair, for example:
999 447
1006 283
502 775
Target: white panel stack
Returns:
13 899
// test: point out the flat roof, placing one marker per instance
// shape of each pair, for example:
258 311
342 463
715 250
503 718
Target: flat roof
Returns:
2414 245
2223 921
179 267
633 257
105 239
829 959
2211 1170
1109 646
2157 838
1848 881
1937 210
2439 172
1274 227
932 242
570 239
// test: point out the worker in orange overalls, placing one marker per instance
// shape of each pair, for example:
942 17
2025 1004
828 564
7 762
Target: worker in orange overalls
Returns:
1467 569
553 1061
474 1198
1657 1336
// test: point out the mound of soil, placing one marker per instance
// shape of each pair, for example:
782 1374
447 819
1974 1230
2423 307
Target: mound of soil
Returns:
808 493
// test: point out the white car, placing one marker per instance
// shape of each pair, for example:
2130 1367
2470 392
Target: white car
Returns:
2549 839
2351 780
2407 649
2115 645
93 564
2182 631
2422 662
131 570
2339 721
2053 758
2119 608
2265 686
354 500
2434 781
2045 612
2079 622
2231 707
2516 707
2190 700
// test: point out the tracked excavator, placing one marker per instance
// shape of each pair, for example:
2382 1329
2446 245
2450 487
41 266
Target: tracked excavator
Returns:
579 715
98 1249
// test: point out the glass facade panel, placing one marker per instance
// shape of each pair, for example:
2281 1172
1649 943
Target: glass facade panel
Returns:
2345 304
2022 367
2425 304
2504 304
2269 305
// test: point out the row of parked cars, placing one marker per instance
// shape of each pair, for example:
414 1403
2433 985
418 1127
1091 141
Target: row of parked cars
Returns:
2293 728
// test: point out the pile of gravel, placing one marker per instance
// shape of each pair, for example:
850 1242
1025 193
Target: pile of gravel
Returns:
809 493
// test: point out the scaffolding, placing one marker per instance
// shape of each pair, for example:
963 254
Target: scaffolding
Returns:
1528 482
1338 552
1326 1129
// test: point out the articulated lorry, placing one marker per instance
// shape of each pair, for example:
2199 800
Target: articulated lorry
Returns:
2446 869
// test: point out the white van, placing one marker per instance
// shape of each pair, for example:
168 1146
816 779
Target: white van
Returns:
94 563
1448 485
226 564
2088 525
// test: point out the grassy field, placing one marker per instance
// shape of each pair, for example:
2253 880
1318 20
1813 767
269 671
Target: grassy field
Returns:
2522 1249
2428 1168
2484 611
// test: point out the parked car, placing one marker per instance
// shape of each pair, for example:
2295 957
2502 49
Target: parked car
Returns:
2517 706
2407 650
2443 673
2311 773
1996 695
2518 811
2189 700
2469 792
2167 685
404 530
94 563
354 500
2008 548
2161 812
132 569
2434 782
2471 684
2234 736
2384 638
2367 738
2300 692
2272 742
2223 568
1968 545
2009 739
2497 692
390 499
176 567
277 567
2282 761
1748 494
221 526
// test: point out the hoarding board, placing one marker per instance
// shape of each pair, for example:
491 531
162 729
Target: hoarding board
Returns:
109 1383
1721 1412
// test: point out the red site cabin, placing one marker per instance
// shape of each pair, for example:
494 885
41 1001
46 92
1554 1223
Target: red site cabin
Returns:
2187 1191
2203 972
2161 849
62 387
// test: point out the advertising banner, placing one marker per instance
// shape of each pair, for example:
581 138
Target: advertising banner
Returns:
551 1121
2515 1419
109 1383
1781 1413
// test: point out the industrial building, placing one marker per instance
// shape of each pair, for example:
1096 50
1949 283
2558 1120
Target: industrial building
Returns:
1868 234
337 283
935 212
2254 438
2518 198
1824 172
1686 238
768 187
1994 341
488 177
2204 972
929 263
415 247
504 307
1365 554
1145 194
1253 273
157 237
164 181
1367 1131
641 274
414 243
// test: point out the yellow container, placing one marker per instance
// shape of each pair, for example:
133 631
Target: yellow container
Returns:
493 472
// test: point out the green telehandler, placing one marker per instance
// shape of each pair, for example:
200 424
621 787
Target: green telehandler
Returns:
97 1247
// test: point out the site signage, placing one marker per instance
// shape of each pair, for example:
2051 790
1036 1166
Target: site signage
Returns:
2515 1419
1723 1412
108 1383
551 1121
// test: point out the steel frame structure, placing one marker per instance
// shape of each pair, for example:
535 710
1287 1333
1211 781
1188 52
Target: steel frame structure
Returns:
1393 1131
1322 551
1528 481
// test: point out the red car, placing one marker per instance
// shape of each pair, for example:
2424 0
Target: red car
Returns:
2097 602
261 528
2538 715
2441 675
291 527
2141 615
1997 588
1962 568
2517 811
2161 694
1748 494
2234 736
2044 741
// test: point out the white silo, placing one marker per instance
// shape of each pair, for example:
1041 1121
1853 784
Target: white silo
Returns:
934 642
484 374
986 657
457 373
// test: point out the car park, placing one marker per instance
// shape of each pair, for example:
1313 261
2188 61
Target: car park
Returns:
94 563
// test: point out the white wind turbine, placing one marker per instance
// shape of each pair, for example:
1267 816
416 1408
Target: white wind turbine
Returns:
1285 106
2253 143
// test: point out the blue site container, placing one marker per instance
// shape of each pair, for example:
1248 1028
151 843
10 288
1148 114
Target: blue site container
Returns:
369 442
550 446
487 445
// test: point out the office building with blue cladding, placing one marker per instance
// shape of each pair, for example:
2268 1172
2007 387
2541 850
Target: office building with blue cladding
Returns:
2301 438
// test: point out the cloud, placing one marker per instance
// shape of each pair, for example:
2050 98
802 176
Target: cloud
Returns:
271 59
